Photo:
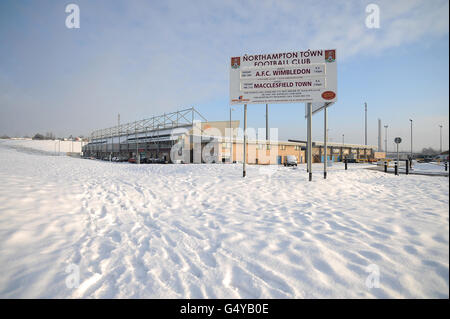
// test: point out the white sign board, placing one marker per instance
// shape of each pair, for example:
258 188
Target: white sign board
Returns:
290 77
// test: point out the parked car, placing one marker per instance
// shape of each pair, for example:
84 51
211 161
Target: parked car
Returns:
291 160
441 158
351 158
158 161
425 159
132 160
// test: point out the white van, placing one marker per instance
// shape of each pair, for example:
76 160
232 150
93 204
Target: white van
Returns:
291 160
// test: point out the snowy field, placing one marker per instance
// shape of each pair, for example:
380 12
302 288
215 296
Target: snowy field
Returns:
202 231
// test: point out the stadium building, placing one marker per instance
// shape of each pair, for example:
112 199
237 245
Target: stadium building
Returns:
187 137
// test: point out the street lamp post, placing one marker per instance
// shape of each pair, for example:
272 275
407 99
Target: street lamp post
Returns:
385 139
365 123
138 157
411 139
342 139
440 139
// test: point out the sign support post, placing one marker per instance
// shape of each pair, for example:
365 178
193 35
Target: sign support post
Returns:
325 139
245 140
267 122
397 141
309 142
398 158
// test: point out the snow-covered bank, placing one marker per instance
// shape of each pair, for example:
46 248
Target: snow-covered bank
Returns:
432 167
202 231
50 147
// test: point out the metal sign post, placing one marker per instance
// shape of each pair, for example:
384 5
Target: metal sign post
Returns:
325 139
315 108
267 122
397 155
397 141
309 142
245 140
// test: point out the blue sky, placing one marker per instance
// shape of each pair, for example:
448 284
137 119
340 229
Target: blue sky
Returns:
143 58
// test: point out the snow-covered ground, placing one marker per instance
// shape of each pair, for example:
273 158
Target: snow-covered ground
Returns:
202 231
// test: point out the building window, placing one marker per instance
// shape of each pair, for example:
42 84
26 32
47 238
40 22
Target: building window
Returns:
267 147
297 147
259 147
282 147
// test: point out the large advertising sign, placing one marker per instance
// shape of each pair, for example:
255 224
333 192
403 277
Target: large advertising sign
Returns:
290 77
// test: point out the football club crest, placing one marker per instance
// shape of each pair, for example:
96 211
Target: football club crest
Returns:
330 55
235 62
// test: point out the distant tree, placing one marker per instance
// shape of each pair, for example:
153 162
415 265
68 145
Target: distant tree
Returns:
429 151
49 136
6 137
38 137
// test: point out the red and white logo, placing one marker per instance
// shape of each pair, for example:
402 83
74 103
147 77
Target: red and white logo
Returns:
236 62
330 55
